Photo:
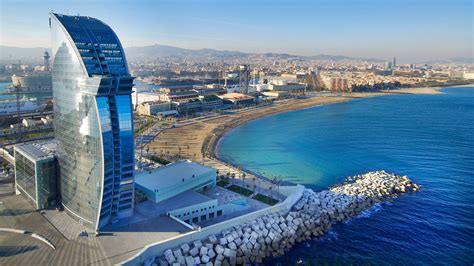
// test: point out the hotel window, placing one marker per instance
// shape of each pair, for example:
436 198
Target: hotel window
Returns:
211 215
203 217
219 213
195 220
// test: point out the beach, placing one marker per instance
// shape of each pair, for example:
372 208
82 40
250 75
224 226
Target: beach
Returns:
201 137
198 138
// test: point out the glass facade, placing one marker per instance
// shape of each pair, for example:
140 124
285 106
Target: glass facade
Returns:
25 176
93 120
36 176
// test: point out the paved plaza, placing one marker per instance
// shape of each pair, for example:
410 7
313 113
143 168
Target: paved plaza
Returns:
116 243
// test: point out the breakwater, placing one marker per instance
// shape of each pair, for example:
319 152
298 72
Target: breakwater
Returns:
274 234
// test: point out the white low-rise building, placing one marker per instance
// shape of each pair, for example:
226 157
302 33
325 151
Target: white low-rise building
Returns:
170 180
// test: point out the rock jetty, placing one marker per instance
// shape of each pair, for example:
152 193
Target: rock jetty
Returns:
275 234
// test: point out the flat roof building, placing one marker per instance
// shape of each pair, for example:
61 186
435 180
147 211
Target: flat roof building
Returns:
154 108
237 99
173 179
178 96
36 173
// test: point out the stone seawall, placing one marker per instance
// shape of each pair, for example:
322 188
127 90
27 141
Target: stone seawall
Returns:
275 234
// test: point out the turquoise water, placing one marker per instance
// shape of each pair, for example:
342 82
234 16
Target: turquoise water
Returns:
430 138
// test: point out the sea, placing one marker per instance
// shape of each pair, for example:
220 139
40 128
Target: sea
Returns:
429 138
38 97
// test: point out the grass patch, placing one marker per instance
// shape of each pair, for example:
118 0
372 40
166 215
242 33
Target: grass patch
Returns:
159 160
240 190
265 199
222 183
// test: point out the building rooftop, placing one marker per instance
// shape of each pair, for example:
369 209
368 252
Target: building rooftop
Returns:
181 93
171 174
185 199
38 150
235 96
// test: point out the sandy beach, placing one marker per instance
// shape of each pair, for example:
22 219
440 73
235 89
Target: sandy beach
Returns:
201 137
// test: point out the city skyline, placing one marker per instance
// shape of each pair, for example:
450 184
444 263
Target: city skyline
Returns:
425 30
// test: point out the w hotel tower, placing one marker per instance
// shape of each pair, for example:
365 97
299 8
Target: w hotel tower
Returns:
93 120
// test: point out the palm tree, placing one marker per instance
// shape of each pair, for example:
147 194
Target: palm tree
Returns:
179 152
233 178
227 176
187 152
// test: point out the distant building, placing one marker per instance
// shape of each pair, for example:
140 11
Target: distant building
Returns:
468 75
387 66
237 99
336 82
46 61
297 76
36 175
287 87
210 91
276 94
178 96
190 106
211 102
41 83
154 108
175 89
145 96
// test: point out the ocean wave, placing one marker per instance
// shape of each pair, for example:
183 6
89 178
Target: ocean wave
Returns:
331 235
367 213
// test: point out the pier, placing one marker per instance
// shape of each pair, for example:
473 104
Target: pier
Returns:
274 234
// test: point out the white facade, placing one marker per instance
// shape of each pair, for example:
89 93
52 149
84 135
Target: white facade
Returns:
468 75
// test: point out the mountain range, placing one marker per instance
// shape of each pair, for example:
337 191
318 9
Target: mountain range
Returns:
10 54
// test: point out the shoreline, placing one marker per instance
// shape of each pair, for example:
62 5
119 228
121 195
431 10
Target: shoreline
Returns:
201 139
212 150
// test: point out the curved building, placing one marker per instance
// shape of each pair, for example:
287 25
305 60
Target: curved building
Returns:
93 120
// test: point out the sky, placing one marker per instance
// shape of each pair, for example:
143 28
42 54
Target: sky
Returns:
411 30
